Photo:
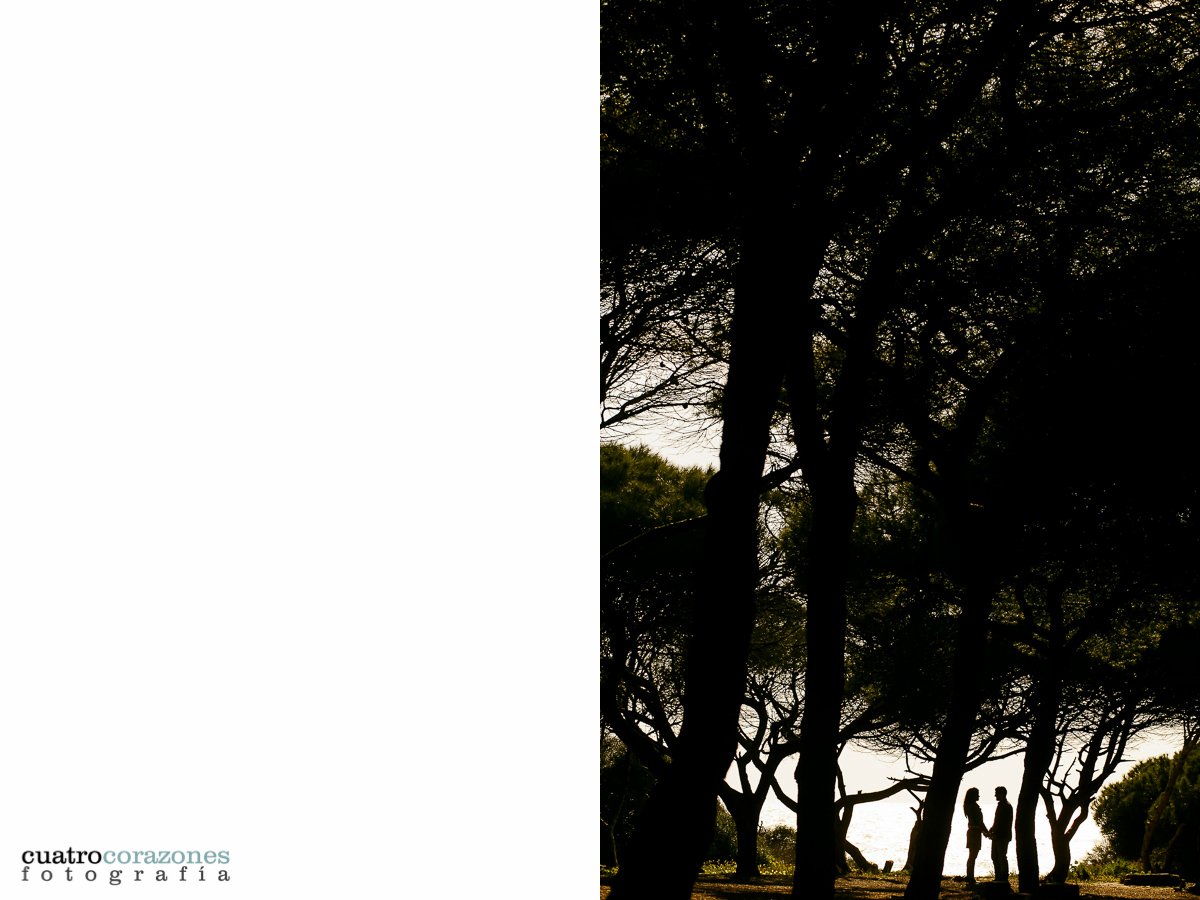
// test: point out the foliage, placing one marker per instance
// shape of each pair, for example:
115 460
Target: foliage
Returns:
776 850
729 867
1122 806
778 846
664 318
639 490
1103 864
724 842
647 584
625 783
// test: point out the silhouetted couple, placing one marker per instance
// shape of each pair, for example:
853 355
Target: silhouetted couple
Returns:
1000 833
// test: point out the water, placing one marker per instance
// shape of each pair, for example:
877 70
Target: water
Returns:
880 830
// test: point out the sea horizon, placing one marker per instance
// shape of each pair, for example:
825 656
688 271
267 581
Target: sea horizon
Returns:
881 831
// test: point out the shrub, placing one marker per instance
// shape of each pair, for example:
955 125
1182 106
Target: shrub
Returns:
724 842
1103 864
777 846
1122 807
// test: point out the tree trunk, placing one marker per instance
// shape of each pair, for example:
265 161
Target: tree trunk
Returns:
1160 804
1183 853
843 826
818 840
675 828
913 837
864 864
745 821
1039 753
1062 853
928 857
608 844
745 806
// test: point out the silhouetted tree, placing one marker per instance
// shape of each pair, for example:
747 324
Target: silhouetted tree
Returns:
1093 734
647 585
648 591
905 188
664 321
788 126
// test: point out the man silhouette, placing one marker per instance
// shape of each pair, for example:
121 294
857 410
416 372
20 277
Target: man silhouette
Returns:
1001 834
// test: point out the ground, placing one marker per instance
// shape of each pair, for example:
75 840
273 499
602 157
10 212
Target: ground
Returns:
721 887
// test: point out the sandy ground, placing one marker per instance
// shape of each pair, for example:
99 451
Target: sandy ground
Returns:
721 887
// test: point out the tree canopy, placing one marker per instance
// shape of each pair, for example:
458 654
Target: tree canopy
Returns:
943 251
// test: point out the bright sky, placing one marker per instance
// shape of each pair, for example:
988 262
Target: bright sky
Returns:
870 772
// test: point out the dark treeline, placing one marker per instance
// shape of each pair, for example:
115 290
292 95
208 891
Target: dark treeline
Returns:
930 266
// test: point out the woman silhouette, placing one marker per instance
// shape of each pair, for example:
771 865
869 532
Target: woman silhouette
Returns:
975 830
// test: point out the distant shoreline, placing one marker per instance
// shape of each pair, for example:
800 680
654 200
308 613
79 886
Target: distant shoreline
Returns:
881 831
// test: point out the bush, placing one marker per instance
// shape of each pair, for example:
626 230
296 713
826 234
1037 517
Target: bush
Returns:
1122 806
724 842
777 846
1122 809
1103 864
